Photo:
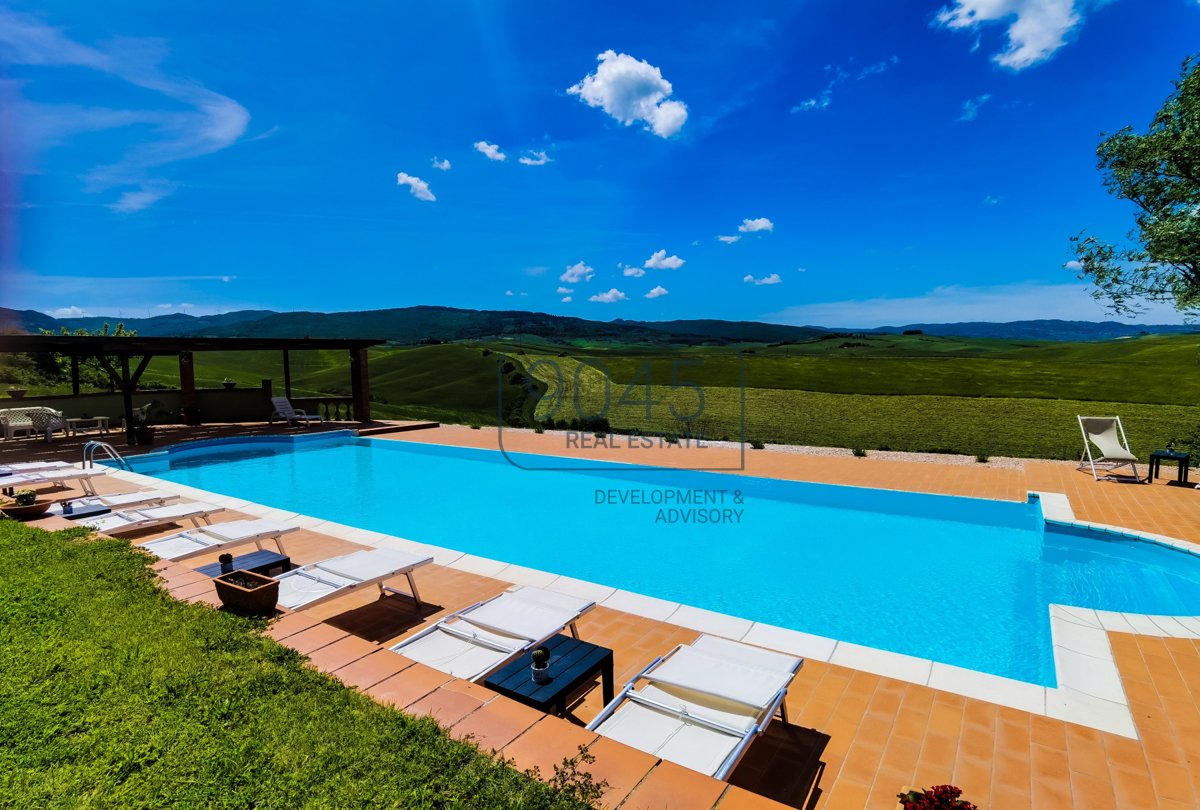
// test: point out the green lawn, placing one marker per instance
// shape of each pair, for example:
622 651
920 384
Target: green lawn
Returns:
112 694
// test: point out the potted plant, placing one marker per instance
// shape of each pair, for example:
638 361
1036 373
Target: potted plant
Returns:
247 593
540 665
26 506
17 393
229 383
143 431
938 797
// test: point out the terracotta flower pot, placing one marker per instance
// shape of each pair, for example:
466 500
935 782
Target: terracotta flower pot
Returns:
17 393
247 593
27 512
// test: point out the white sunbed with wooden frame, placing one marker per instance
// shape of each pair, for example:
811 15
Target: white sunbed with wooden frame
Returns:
135 520
58 476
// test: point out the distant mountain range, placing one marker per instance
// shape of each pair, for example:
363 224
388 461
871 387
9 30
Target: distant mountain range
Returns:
414 325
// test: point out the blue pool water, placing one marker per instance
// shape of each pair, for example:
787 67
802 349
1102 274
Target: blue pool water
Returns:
958 580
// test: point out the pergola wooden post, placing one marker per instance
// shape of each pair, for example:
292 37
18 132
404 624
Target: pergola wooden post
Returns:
287 375
360 385
75 374
187 390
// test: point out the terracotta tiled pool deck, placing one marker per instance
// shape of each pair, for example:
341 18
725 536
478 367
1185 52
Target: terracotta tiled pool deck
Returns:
855 738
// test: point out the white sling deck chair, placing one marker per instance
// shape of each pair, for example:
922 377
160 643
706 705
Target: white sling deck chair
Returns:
218 537
134 520
1108 435
472 642
32 466
702 704
284 410
57 477
142 497
313 584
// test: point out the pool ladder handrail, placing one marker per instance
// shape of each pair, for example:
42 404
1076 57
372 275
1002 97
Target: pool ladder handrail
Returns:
89 454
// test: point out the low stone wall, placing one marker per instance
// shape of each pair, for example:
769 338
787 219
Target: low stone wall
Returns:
214 404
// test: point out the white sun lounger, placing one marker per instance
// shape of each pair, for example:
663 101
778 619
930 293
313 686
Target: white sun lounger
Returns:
313 584
142 497
133 520
55 476
701 704
472 642
218 537
31 466
1108 435
284 410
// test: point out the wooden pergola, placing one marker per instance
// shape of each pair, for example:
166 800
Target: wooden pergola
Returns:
117 356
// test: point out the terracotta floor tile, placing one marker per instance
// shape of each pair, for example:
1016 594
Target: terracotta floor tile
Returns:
340 653
736 798
314 638
497 723
545 744
408 686
620 766
672 786
290 624
446 706
371 669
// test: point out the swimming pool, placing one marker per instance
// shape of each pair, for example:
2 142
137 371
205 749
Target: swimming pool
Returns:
958 580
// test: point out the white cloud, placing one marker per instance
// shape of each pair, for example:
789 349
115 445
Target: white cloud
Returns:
192 122
508 293
69 312
970 107
1036 28
1073 265
991 199
490 150
951 304
538 270
659 260
657 292
568 299
534 158
756 225
576 273
564 291
801 269
837 75
767 280
181 307
443 165
418 187
633 272
729 240
148 195
610 297
631 90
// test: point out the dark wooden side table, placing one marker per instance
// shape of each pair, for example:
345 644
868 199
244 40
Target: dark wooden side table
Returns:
1159 456
572 664
267 563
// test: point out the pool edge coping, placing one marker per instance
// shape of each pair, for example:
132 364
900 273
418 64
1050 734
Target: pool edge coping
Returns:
1089 691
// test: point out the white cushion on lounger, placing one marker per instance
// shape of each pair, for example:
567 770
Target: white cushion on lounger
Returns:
363 565
236 530
692 669
670 737
178 545
520 617
457 656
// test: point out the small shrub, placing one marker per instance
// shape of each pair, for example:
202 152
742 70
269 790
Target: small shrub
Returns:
981 458
883 448
486 352
757 445
473 427
939 797
25 497
539 429
859 452
672 438
601 435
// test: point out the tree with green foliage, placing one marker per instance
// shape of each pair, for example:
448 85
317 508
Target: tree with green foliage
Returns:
1159 172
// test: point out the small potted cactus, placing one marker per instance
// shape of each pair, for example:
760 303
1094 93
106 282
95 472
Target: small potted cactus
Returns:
540 665
229 383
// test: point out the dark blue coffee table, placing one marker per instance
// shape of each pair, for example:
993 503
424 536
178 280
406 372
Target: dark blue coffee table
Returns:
572 664
1159 456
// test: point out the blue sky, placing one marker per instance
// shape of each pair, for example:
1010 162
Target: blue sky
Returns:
878 162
